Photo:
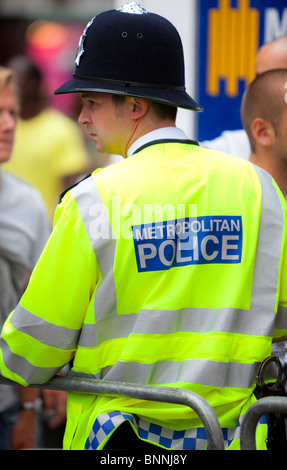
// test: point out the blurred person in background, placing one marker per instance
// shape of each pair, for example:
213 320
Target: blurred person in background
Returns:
49 151
265 122
272 55
24 230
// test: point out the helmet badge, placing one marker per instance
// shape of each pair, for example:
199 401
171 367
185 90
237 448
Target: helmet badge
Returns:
81 49
133 7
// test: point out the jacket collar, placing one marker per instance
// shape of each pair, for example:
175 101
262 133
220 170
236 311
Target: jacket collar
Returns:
165 133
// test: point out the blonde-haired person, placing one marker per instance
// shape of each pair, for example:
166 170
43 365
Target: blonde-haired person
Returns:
24 229
49 152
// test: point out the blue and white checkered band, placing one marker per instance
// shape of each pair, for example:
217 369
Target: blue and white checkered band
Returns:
81 49
190 439
133 7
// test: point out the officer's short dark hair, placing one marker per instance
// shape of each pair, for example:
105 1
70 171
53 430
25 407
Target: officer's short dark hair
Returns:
163 111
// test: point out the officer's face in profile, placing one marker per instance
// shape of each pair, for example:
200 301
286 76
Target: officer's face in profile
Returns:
105 122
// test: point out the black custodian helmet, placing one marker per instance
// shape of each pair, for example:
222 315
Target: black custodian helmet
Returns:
131 52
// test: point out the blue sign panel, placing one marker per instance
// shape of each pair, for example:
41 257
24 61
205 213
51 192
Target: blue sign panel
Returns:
230 33
195 240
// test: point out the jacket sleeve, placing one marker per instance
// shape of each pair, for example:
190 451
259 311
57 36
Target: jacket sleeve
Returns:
40 336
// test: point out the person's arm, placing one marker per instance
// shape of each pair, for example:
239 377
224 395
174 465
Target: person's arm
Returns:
41 335
55 407
24 432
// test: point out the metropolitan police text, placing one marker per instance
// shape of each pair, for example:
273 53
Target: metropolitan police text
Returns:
195 240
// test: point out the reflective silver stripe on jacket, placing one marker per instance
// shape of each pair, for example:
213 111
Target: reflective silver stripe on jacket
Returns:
186 319
210 373
24 368
89 201
49 334
268 256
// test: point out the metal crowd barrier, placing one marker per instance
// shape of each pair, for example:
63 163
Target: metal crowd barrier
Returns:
252 416
143 392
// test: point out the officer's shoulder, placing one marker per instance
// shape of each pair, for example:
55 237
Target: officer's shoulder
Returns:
67 190
218 156
104 172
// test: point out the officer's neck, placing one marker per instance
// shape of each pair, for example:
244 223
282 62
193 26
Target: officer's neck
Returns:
144 128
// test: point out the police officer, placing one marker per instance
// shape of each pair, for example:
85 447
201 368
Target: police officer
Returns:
158 267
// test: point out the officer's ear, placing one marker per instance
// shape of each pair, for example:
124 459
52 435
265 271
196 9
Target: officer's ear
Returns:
263 132
138 107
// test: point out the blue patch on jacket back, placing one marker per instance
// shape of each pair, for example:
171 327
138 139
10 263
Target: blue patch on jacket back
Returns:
196 240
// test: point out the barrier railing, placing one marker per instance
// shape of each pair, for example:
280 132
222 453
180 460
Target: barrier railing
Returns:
252 416
143 392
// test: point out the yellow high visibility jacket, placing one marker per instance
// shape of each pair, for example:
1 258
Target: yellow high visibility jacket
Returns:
168 268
